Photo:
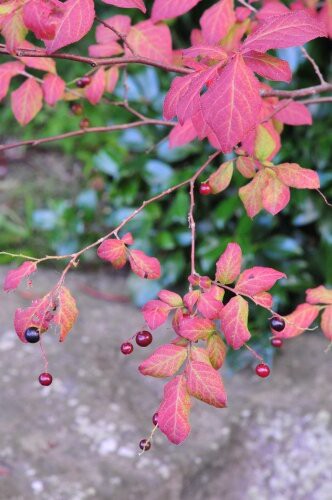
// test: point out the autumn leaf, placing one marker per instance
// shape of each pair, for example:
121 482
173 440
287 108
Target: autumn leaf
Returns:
229 264
268 66
151 41
164 362
216 349
295 176
171 298
144 266
234 322
209 306
167 9
295 113
221 178
114 251
299 320
128 4
205 383
27 101
326 323
66 312
39 315
319 295
7 71
196 328
94 91
217 21
155 313
15 276
53 88
246 166
257 279
275 194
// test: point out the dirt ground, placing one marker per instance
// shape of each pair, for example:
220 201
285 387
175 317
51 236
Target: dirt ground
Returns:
77 439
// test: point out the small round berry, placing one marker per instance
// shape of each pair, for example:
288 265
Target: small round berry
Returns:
277 323
155 419
45 379
145 444
77 108
276 342
31 335
263 370
83 82
85 123
127 348
204 189
143 338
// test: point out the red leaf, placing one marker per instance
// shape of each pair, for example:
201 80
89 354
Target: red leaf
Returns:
268 66
111 79
216 349
294 113
53 88
27 101
190 299
151 41
288 30
217 21
167 9
42 63
76 19
144 266
229 264
155 313
196 328
105 35
204 383
105 50
113 251
221 178
182 134
231 105
164 362
7 71
128 239
67 312
215 53
326 323
263 299
178 87
94 91
257 279
209 306
171 298
173 413
42 17
128 4
38 315
299 320
234 322
275 194
15 276
319 295
295 176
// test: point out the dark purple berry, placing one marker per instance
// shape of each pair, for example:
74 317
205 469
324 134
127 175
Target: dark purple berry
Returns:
31 335
155 419
45 379
276 342
143 338
83 82
277 323
263 370
145 444
127 348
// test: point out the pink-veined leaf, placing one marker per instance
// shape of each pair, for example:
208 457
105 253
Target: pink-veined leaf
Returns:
128 4
171 298
182 134
232 104
76 21
271 9
229 264
127 239
263 299
275 194
216 349
111 79
319 295
53 88
66 312
268 66
266 142
41 63
209 306
251 194
234 322
15 276
105 50
27 101
94 91
164 362
41 17
242 13
221 178
196 328
178 87
217 21
155 313
199 354
167 9
7 71
246 166
326 323
144 266
173 413
214 53
180 341
205 383
120 23
14 30
295 113
190 299
295 176
288 30
151 41
113 251
257 279
299 320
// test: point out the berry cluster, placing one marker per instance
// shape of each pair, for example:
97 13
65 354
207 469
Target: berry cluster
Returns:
143 339
32 336
277 324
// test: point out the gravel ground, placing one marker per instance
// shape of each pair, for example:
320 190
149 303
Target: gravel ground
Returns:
77 439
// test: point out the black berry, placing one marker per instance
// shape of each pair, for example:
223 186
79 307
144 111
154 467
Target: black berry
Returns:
276 342
83 82
145 444
204 189
277 323
45 379
143 338
127 348
263 370
155 419
31 335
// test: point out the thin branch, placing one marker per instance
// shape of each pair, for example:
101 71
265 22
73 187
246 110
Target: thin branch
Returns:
316 100
317 89
250 7
122 37
314 65
192 225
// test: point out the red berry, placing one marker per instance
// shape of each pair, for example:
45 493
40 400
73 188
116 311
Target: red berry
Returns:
276 342
143 338
45 378
127 348
145 444
204 189
85 123
76 108
31 335
277 323
263 370
155 419
83 82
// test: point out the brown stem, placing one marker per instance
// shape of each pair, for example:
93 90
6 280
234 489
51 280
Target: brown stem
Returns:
317 89
122 37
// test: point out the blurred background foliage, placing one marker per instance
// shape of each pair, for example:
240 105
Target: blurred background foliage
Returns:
111 174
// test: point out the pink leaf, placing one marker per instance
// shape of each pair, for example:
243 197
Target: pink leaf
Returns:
111 79
196 328
294 113
128 4
326 323
221 178
105 35
94 91
75 22
190 299
127 239
164 362
173 413
215 53
209 306
199 354
41 63
319 295
144 266
7 71
53 88
13 29
251 194
231 105
275 194
105 50
205 383
155 313
151 41
246 166
268 66
217 350
67 312
42 17
287 30
15 276
182 134
229 264
27 101
217 21
113 251
263 299
257 279
299 320
234 322
167 9
295 176
178 87
171 298
266 142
